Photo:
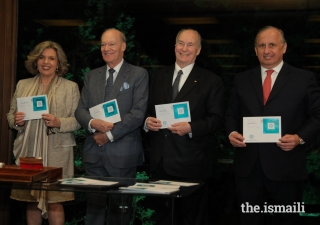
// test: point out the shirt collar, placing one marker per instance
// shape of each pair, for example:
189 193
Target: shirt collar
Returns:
117 67
186 70
276 69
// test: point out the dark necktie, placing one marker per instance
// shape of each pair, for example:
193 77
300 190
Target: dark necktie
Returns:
175 86
267 86
109 84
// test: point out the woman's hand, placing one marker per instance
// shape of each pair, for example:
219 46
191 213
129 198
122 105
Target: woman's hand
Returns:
18 118
50 120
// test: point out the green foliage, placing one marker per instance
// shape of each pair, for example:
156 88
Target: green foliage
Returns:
142 213
142 175
78 164
313 165
69 76
84 71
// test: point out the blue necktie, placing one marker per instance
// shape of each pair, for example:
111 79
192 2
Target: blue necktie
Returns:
175 86
109 84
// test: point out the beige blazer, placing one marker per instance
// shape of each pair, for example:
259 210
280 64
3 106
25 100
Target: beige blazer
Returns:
64 103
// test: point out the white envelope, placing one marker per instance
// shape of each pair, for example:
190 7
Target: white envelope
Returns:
262 129
33 106
173 113
107 111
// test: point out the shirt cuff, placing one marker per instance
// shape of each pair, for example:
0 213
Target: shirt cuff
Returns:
92 130
110 136
145 128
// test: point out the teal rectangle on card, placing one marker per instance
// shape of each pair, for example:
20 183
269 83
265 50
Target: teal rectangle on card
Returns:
39 103
110 109
270 126
180 111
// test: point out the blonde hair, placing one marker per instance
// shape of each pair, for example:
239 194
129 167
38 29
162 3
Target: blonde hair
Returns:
31 62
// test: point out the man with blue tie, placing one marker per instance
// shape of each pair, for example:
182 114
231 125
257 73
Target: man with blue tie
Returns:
112 150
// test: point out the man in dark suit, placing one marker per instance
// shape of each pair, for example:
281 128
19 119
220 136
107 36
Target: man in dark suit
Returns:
112 150
183 151
269 174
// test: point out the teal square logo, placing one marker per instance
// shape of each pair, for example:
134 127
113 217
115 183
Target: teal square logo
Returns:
39 103
270 126
180 111
110 109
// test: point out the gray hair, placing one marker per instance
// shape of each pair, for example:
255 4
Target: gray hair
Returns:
123 36
199 37
283 40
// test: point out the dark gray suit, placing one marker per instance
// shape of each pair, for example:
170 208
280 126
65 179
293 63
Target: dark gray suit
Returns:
126 150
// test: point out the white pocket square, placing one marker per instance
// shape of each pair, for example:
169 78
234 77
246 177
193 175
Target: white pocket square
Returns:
125 86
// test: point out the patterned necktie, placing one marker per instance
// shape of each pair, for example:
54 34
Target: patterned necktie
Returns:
109 84
175 86
267 86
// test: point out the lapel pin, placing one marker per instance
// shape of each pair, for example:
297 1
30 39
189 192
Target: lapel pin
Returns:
195 81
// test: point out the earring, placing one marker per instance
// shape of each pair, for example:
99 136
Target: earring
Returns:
57 70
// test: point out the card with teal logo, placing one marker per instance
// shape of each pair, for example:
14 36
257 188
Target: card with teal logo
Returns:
180 111
110 109
39 103
107 111
271 126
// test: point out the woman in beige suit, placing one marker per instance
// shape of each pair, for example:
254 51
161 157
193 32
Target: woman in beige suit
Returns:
51 137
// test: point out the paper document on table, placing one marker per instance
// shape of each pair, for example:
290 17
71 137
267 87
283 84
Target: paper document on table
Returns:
262 129
173 113
174 183
150 188
86 181
33 106
107 111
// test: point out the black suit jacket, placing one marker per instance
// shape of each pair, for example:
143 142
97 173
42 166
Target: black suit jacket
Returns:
295 97
187 157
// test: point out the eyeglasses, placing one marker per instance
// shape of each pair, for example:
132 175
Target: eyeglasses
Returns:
50 131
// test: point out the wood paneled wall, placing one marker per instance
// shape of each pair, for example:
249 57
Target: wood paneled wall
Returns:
8 46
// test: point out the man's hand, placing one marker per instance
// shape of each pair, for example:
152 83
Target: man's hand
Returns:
288 142
180 128
101 125
153 124
236 140
100 138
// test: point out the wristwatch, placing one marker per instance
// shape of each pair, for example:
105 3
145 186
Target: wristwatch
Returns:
301 141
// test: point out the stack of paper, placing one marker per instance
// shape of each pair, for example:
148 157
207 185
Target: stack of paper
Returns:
151 188
86 181
174 183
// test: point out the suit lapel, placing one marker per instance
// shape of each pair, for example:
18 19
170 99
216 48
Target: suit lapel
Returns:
257 82
190 83
121 78
281 80
168 76
101 83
